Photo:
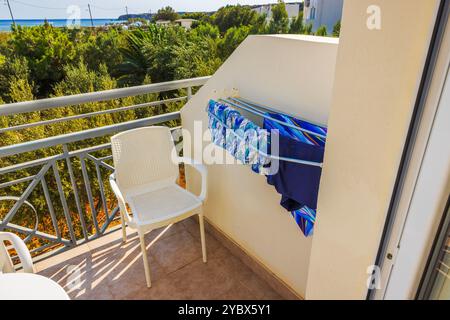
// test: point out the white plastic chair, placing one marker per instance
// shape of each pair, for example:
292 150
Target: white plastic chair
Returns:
145 179
6 265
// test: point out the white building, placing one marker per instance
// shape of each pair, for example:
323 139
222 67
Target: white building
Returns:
293 9
322 12
185 23
163 22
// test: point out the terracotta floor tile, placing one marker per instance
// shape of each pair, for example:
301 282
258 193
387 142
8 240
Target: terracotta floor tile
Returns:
200 280
107 268
239 292
176 251
173 229
61 257
191 224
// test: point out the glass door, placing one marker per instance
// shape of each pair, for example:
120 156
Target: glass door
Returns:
436 281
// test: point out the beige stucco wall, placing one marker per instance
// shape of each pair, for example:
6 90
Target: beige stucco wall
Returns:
377 77
270 70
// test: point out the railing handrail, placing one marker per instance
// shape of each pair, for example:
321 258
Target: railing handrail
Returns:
57 102
85 134
91 114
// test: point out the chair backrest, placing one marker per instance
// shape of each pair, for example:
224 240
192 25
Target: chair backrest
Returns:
6 264
143 156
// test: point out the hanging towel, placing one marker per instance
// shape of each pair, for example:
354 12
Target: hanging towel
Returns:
226 124
262 163
215 123
305 218
298 184
296 134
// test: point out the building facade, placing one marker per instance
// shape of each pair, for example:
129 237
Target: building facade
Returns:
292 8
322 12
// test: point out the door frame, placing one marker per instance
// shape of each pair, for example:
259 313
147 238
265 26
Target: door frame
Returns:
393 283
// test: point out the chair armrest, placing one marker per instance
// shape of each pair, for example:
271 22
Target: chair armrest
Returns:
120 198
203 172
21 249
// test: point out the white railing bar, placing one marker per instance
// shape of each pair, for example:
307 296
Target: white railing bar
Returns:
29 164
105 158
86 134
42 104
99 147
37 162
90 114
71 154
17 181
106 166
37 233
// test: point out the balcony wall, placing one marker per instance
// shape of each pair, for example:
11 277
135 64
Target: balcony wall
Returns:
295 75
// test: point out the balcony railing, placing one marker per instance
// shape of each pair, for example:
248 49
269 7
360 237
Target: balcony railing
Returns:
63 199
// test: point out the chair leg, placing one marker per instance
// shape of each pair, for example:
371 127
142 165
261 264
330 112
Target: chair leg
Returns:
202 236
145 259
124 231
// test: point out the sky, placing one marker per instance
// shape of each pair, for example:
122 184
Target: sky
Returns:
54 9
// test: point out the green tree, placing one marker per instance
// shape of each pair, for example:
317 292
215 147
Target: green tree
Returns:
206 30
233 16
14 73
79 79
161 54
197 57
337 29
260 25
166 13
103 48
308 29
321 31
133 69
200 16
280 21
169 53
296 25
20 90
231 40
47 50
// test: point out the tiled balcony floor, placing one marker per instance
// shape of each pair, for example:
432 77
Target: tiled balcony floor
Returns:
108 269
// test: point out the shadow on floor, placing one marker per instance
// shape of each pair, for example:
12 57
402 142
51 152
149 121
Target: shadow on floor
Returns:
107 268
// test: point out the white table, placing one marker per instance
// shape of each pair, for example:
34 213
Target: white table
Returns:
29 286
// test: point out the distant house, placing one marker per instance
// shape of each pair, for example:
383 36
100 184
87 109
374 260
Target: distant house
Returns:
136 24
292 8
322 12
163 22
185 23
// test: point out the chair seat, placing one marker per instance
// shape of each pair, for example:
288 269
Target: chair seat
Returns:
161 204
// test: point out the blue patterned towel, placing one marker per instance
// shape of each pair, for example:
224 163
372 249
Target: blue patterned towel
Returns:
252 139
297 183
227 124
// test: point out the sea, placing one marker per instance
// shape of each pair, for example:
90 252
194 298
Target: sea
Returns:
5 25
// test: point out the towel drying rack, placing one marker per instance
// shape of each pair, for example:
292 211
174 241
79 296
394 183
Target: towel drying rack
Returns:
273 110
271 156
238 103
